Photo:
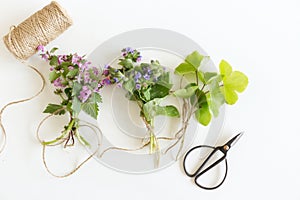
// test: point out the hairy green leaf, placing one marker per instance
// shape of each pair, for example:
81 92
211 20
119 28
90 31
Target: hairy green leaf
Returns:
55 109
76 105
53 61
72 73
90 109
129 85
53 76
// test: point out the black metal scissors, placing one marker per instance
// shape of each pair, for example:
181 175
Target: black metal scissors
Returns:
223 149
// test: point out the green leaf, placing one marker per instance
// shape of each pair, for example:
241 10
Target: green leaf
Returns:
76 89
127 63
96 98
225 68
198 98
186 92
203 115
170 111
53 61
54 109
233 81
72 73
90 109
208 76
68 92
201 76
129 85
184 68
152 109
76 105
158 91
53 76
215 97
53 50
194 59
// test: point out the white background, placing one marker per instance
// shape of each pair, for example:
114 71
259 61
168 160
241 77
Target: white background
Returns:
260 38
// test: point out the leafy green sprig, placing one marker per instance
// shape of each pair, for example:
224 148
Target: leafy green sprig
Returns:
208 91
148 84
78 84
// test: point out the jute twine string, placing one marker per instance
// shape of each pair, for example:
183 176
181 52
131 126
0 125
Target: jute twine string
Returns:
96 131
39 29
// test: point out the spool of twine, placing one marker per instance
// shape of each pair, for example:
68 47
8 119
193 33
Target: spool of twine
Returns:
39 29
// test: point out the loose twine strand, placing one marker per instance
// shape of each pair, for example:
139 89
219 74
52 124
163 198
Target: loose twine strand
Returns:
4 135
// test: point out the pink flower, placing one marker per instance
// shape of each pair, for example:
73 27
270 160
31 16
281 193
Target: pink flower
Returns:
41 48
57 83
84 94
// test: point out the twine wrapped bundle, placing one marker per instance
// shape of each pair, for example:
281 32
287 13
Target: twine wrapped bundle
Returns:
39 29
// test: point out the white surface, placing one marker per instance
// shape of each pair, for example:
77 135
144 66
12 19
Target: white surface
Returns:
260 38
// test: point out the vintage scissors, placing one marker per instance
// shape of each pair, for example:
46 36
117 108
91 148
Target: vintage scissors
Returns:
223 149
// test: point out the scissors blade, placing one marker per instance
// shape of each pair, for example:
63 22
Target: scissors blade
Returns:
233 140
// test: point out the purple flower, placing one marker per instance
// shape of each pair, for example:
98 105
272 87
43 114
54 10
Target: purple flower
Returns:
57 83
106 81
106 66
84 94
138 86
139 58
51 69
129 50
60 59
146 76
86 78
76 59
137 76
105 72
45 56
96 71
116 79
41 48
119 85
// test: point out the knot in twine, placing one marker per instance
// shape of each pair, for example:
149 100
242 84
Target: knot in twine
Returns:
39 29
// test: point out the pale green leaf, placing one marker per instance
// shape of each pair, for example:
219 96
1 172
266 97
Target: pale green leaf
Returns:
170 111
233 81
208 76
215 97
225 68
194 59
203 115
184 68
186 92
236 81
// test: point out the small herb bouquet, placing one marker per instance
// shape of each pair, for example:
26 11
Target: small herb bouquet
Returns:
78 85
148 84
